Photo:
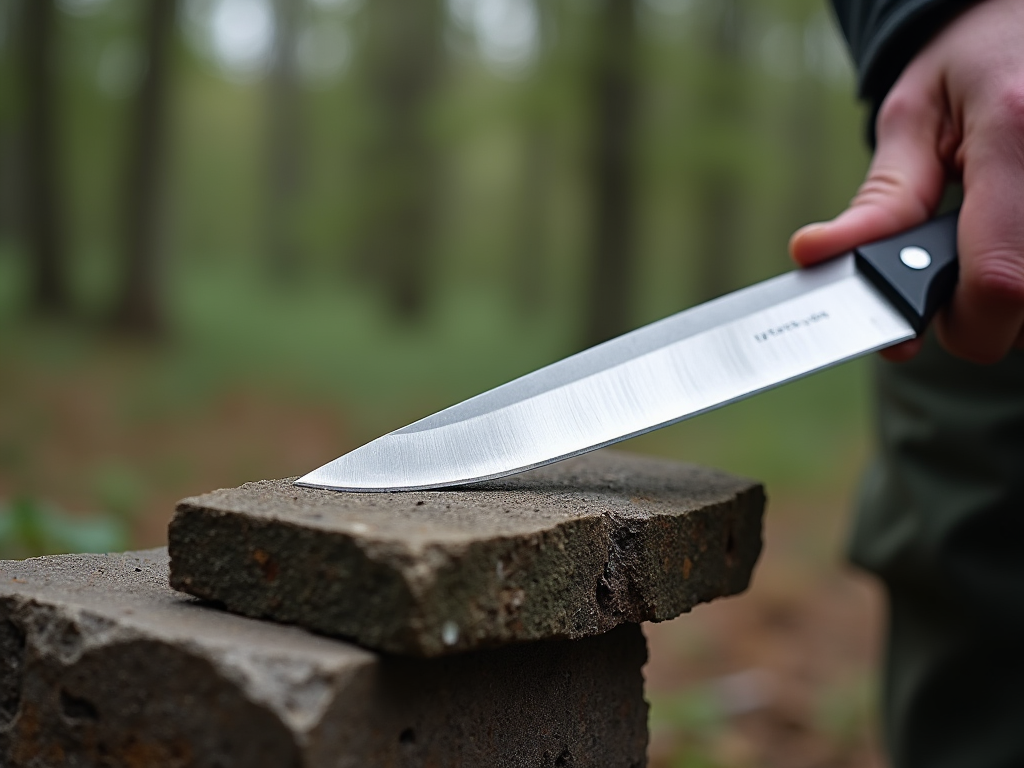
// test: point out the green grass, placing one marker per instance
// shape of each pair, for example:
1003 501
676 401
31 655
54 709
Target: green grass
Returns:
30 527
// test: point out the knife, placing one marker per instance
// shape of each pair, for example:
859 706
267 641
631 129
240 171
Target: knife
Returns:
688 363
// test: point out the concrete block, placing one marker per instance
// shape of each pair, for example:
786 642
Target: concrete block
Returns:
566 551
102 664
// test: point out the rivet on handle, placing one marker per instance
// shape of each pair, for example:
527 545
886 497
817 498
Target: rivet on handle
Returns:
915 257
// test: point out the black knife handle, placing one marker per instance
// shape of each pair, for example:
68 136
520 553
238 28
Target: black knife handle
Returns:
916 270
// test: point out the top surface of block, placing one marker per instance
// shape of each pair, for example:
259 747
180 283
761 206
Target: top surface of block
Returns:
128 592
605 482
568 550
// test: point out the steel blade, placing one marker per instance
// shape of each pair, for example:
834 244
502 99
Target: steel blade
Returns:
678 367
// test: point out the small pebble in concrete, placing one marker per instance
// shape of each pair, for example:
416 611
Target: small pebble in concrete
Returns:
102 664
566 551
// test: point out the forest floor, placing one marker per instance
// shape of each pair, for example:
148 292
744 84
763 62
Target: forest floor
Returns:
782 676
98 441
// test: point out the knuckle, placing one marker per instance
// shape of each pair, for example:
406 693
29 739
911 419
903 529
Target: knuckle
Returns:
999 277
902 107
1009 109
881 181
892 190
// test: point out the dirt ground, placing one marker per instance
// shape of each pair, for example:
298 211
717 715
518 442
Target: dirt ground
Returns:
783 675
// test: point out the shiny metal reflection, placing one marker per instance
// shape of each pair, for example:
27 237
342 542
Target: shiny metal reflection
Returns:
678 367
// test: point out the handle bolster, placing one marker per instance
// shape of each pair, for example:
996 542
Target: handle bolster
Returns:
916 292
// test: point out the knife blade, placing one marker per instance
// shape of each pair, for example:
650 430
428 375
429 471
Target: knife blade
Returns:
691 362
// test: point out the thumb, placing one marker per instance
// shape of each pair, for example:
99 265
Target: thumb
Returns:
904 183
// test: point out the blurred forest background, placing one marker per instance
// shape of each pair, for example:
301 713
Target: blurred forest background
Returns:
240 237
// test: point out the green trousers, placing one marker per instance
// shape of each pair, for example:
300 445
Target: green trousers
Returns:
941 522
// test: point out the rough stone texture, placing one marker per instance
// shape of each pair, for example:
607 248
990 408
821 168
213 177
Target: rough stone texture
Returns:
102 664
565 551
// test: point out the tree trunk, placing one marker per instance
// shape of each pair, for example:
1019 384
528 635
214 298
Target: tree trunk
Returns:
12 142
404 49
530 258
613 208
12 163
138 307
717 244
283 145
807 129
720 183
44 216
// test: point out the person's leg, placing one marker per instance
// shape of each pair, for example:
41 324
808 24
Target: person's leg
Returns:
941 521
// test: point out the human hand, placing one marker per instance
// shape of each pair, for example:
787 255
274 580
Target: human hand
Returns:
956 112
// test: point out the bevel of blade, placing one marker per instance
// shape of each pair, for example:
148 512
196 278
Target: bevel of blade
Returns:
686 364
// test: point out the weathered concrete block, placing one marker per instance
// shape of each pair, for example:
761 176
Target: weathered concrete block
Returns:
566 551
102 664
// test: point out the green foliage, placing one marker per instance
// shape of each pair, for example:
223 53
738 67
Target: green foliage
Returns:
30 527
118 489
696 718
847 708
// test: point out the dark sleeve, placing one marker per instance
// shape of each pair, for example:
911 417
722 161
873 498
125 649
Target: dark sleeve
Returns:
884 35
